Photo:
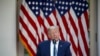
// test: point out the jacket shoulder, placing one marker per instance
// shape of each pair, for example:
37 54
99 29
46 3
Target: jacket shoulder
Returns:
65 43
44 42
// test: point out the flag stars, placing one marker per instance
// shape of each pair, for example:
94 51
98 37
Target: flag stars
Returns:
62 7
75 8
40 3
78 13
29 2
76 3
36 12
33 3
50 9
66 3
46 9
59 7
80 4
70 3
83 4
46 13
51 4
33 8
79 9
86 5
36 3
47 4
56 2
63 2
37 8
62 12
59 2
66 8
73 2
82 9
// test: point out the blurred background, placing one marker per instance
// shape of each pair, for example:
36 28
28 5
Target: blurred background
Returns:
10 45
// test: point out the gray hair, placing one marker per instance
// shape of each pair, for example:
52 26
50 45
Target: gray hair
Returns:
53 27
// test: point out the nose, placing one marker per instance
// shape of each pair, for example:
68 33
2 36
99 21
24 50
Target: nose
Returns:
55 34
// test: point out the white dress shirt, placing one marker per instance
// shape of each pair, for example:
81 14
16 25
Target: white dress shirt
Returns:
51 47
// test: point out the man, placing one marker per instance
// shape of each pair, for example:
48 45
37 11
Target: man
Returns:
54 46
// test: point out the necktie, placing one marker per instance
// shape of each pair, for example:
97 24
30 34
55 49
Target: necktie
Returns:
54 51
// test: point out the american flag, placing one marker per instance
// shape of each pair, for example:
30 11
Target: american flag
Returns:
67 24
70 15
29 25
80 7
48 14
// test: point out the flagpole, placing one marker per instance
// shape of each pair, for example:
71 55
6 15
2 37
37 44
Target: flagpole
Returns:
93 26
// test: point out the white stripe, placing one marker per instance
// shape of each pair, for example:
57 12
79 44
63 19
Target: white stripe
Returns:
45 20
81 44
72 50
79 35
74 37
85 29
45 36
25 34
53 19
74 17
61 25
32 30
34 18
46 24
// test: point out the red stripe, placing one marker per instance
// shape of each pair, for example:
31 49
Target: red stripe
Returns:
24 39
57 22
73 44
29 18
86 19
49 21
28 31
61 34
83 36
68 31
65 24
41 22
73 24
79 50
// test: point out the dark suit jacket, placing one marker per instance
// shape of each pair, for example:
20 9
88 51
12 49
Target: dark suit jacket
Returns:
44 49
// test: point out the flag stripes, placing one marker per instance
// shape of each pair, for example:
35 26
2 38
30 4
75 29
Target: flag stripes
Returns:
70 15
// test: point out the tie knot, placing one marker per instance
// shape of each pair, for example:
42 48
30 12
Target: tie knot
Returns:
54 41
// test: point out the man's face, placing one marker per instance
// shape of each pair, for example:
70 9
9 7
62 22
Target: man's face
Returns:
54 34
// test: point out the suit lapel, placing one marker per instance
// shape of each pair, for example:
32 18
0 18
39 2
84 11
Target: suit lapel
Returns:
59 48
